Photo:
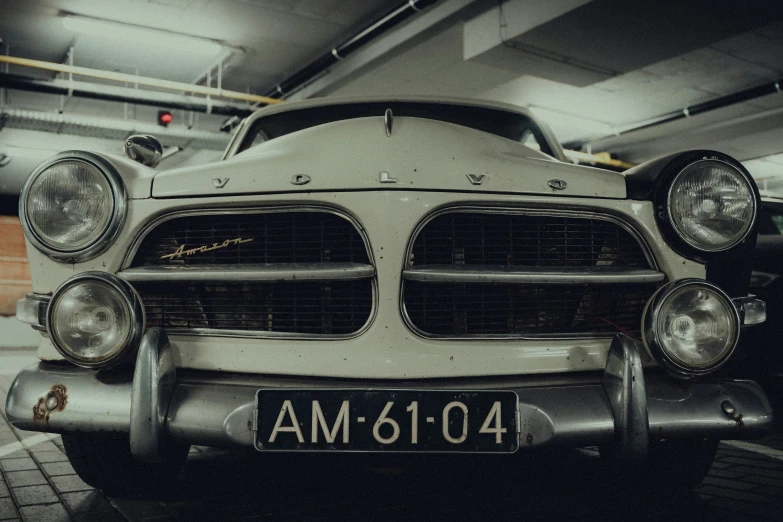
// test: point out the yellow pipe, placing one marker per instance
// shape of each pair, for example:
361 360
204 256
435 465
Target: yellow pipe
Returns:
602 158
129 78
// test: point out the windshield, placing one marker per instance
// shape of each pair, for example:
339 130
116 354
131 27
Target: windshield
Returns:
510 125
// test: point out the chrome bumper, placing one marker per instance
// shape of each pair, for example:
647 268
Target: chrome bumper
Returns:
151 403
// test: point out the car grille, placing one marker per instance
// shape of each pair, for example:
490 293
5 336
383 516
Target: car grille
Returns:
279 237
333 308
470 238
485 273
292 271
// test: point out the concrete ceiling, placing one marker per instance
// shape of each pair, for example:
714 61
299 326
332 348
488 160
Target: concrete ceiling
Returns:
590 68
275 36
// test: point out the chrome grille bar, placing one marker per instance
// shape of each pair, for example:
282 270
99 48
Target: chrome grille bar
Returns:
258 272
522 275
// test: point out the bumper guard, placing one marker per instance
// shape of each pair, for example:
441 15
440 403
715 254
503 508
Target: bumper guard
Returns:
627 409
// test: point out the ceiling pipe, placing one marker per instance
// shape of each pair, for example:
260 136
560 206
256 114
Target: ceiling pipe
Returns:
339 52
140 80
122 94
691 110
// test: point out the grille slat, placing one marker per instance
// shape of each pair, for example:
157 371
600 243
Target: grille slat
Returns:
476 241
187 292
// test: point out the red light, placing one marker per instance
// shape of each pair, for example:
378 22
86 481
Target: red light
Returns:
164 118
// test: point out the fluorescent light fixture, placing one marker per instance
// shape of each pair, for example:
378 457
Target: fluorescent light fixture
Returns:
141 35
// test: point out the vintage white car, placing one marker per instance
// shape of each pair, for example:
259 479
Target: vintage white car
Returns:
396 275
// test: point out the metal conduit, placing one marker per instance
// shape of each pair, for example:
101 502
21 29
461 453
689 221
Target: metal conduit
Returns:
311 71
692 110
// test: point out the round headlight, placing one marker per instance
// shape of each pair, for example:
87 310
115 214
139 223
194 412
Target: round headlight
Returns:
72 207
691 327
711 205
95 319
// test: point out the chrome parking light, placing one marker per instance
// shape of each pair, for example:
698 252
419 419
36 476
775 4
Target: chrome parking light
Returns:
31 310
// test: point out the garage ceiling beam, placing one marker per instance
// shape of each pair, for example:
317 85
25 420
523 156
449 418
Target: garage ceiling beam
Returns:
122 94
140 80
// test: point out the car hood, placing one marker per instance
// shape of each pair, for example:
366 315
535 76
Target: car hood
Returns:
419 154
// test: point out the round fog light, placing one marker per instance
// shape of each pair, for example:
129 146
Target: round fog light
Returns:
95 320
691 327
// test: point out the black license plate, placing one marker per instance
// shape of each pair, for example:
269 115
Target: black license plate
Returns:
387 420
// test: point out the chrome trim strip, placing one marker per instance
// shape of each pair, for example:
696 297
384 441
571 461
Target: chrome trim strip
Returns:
526 275
268 272
116 221
587 212
154 222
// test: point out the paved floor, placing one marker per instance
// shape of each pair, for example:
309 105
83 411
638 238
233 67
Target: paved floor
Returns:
38 484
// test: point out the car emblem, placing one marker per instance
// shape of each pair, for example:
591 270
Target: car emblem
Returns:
476 179
557 184
300 179
205 248
220 183
384 177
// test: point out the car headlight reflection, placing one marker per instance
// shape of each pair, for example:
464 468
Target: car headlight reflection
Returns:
691 327
95 319
711 205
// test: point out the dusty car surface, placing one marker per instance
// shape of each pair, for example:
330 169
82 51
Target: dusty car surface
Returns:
398 275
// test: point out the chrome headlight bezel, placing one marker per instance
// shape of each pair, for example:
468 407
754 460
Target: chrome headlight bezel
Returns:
116 218
135 309
682 235
651 335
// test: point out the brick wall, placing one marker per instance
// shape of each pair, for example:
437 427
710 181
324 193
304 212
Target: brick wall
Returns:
15 280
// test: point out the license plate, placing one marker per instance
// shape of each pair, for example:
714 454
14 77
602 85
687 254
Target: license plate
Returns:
387 420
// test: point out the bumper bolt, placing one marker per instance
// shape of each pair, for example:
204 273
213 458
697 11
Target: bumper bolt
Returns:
728 408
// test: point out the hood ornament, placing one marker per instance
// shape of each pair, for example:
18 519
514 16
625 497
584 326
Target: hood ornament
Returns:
145 149
557 184
220 183
388 119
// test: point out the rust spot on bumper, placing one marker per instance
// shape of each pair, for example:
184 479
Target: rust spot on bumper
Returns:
55 400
